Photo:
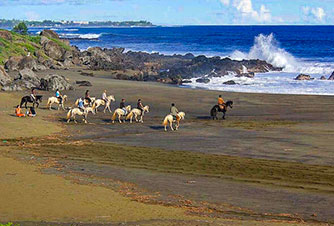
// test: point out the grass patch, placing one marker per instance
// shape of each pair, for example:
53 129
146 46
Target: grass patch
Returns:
278 173
61 44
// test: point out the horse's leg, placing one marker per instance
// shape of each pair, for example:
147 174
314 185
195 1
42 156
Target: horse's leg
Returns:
223 115
119 118
171 125
177 125
74 119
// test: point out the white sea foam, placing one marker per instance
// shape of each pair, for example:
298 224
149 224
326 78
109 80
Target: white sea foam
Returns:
273 82
79 36
267 48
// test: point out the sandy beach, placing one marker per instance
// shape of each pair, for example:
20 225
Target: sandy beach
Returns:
270 162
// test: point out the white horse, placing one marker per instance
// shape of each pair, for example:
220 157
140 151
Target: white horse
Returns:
136 112
169 119
76 111
86 103
120 113
99 102
55 100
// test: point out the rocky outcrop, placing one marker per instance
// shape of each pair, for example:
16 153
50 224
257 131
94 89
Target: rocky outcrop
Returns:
12 64
331 77
323 78
303 77
16 63
26 79
58 82
49 34
4 77
203 80
6 35
52 49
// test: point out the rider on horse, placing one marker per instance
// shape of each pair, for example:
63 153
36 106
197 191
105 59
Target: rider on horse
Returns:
87 97
59 96
104 96
221 103
81 104
140 107
123 107
174 111
33 95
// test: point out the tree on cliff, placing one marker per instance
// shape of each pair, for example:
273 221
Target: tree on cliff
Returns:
21 28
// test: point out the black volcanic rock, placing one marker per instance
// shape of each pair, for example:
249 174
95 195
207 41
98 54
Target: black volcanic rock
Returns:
303 77
230 82
203 80
331 77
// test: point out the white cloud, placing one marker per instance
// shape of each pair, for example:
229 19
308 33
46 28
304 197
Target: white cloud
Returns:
225 2
245 7
318 14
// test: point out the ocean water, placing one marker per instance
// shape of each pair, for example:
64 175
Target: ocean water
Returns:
298 49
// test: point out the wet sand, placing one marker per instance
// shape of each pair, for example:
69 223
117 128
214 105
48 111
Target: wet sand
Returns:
288 128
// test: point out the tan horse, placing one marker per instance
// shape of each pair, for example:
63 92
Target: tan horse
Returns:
86 104
100 102
55 100
169 119
120 113
76 111
136 112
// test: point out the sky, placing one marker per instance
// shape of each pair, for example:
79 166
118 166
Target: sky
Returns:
175 12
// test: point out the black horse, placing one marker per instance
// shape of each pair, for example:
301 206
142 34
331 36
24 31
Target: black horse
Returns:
216 109
28 99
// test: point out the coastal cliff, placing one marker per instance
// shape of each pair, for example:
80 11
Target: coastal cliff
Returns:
49 51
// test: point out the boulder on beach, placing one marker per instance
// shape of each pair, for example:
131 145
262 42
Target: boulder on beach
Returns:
230 82
331 77
89 74
303 77
83 83
28 75
4 77
203 80
322 78
58 82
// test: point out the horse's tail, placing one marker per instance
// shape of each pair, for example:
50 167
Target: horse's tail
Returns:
114 116
165 122
69 114
129 115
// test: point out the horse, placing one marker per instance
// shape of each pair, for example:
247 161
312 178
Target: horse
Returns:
77 111
99 102
214 111
120 112
136 112
86 102
28 99
170 119
55 100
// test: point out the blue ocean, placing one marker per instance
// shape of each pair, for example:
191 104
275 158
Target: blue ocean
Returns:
298 49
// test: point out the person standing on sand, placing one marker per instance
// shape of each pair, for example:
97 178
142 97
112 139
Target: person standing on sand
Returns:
174 111
221 102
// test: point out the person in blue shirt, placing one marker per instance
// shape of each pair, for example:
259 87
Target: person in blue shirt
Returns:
58 95
81 104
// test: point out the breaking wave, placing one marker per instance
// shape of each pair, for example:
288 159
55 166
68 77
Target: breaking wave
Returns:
267 48
80 36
